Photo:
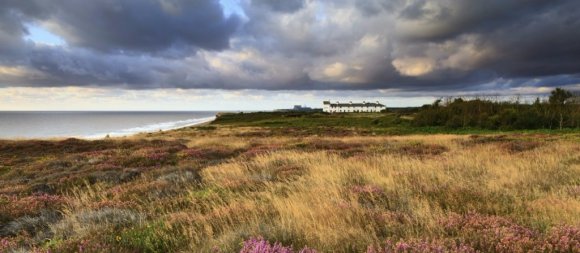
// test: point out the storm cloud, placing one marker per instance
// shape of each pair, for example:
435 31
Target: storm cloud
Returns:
403 45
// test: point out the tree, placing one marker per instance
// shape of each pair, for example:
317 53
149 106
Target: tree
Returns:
437 103
558 99
559 96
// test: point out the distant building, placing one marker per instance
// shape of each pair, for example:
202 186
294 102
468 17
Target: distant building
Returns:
299 108
352 107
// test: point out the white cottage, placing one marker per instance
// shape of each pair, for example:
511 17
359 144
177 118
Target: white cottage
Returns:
352 107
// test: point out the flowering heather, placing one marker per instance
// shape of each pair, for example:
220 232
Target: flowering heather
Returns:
520 146
420 149
108 165
562 239
6 244
13 207
422 246
97 157
498 234
206 153
143 195
259 245
259 150
112 204
88 246
367 189
154 154
146 157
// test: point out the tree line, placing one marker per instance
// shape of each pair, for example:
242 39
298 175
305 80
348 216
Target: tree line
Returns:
561 110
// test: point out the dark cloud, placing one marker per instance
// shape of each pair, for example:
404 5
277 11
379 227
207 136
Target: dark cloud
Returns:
374 7
406 45
11 35
144 26
286 6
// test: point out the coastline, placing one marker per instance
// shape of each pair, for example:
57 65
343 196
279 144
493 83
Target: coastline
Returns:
128 132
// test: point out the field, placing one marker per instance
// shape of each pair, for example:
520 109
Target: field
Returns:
264 183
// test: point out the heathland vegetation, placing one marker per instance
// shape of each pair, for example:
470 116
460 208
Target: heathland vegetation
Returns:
302 182
223 188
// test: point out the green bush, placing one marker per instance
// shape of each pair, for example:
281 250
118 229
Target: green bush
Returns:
559 112
152 238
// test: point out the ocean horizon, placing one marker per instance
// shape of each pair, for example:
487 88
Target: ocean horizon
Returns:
94 124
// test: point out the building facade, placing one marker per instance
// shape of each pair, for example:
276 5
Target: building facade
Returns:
352 107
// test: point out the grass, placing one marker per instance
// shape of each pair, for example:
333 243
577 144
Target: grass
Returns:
311 123
245 187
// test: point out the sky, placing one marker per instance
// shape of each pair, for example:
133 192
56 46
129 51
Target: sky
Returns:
268 54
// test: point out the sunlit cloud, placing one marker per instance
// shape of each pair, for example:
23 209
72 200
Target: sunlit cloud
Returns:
146 50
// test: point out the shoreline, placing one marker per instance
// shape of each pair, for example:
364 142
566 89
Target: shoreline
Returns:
130 133
123 133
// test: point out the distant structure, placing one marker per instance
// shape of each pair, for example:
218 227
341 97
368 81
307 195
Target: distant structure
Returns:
352 107
299 108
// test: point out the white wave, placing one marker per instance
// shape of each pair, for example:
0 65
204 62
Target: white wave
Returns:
164 126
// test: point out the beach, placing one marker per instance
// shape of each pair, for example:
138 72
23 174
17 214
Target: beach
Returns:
93 124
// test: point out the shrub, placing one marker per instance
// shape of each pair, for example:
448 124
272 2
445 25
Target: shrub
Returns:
153 237
498 234
562 239
206 153
324 144
33 226
6 244
259 245
420 149
520 146
12 207
86 222
489 114
261 149
422 246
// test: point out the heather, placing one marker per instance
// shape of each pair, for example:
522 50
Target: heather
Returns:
226 188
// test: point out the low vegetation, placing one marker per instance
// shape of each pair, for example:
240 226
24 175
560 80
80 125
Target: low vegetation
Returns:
237 187
560 112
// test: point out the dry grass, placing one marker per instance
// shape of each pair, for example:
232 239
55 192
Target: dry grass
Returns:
210 190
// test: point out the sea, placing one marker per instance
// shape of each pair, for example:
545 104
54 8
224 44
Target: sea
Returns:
93 124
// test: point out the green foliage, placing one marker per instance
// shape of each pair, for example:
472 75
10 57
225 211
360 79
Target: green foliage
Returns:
505 116
311 120
559 96
152 237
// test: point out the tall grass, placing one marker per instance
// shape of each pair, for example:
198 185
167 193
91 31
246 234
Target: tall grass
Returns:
325 194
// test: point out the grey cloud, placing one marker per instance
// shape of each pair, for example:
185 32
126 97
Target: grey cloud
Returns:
450 18
11 33
285 6
374 7
297 45
144 26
